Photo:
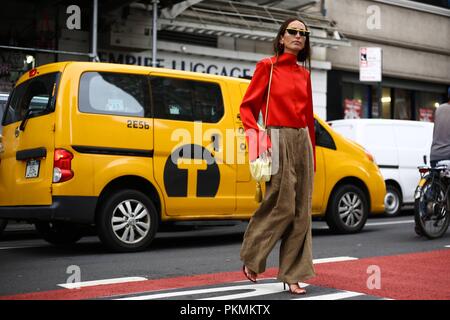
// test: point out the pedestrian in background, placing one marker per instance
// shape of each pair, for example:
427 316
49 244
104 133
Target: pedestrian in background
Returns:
285 212
440 147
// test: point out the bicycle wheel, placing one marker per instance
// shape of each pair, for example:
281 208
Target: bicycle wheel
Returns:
430 210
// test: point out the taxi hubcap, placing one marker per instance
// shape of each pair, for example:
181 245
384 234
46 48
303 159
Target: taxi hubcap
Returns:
130 221
351 209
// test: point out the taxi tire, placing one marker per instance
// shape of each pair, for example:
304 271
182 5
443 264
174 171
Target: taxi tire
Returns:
332 217
3 223
59 233
104 218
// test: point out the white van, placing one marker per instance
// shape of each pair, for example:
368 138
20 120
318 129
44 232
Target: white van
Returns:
398 146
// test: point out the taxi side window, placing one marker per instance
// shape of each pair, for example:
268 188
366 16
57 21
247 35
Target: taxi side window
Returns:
323 138
36 93
186 100
114 93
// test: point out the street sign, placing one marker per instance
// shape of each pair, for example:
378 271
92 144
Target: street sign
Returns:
370 64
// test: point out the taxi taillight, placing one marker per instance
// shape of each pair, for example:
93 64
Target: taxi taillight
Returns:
62 166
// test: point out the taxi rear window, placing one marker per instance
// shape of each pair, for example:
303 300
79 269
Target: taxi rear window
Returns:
38 93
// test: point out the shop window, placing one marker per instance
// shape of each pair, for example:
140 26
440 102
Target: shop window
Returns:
355 102
402 104
425 105
386 103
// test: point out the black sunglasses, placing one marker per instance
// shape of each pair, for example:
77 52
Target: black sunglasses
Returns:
302 32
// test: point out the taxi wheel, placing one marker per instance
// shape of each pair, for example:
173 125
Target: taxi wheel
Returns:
127 221
348 210
3 224
59 233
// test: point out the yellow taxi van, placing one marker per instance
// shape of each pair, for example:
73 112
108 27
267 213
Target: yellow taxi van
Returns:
128 148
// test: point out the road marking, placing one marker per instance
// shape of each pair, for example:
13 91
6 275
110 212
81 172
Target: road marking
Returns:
334 296
387 223
255 290
77 285
334 259
447 246
24 247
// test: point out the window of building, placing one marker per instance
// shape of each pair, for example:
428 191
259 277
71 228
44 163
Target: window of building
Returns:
386 102
438 3
188 100
355 102
425 105
114 93
402 104
392 99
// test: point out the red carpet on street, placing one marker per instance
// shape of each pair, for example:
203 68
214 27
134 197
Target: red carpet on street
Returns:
417 276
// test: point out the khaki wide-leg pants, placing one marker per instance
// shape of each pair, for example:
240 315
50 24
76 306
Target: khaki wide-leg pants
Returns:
285 212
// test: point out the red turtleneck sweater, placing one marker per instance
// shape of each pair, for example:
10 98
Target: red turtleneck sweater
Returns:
290 103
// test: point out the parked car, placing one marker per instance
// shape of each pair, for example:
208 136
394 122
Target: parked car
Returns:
3 100
127 148
399 147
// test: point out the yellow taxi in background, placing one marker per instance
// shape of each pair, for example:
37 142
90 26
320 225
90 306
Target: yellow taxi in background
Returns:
126 148
348 185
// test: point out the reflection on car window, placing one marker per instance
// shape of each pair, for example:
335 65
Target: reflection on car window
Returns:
3 100
36 93
114 93
188 100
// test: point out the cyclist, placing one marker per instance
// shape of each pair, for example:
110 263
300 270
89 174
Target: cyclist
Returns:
440 147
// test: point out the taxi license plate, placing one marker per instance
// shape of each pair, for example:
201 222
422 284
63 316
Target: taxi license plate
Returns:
32 169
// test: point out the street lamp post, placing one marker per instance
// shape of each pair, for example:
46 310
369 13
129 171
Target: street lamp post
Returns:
155 31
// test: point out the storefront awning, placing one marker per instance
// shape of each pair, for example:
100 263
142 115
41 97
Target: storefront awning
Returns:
247 20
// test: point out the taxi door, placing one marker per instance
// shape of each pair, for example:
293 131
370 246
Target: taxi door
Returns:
193 136
26 161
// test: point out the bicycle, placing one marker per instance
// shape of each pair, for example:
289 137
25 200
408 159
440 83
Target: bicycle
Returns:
432 201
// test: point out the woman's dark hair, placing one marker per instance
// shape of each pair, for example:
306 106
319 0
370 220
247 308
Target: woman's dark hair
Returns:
304 55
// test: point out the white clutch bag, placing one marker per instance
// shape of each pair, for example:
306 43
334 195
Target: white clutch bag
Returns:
261 169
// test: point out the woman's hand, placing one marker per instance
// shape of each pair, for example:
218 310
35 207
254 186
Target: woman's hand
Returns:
266 154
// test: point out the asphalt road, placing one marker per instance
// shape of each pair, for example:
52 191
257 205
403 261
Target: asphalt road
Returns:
28 264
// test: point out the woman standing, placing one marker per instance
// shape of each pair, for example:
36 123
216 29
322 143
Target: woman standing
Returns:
285 212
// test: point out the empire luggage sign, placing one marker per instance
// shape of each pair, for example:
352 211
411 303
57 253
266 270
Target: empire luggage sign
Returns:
370 64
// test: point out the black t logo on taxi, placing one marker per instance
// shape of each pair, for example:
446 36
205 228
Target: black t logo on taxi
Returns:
191 165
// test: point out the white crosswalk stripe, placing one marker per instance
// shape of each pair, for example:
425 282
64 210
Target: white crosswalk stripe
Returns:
234 291
333 296
77 285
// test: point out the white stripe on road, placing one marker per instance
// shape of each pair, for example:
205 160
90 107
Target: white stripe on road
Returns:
77 285
24 247
256 290
333 296
447 246
335 259
387 223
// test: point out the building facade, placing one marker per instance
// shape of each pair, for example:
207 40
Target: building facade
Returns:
229 37
415 43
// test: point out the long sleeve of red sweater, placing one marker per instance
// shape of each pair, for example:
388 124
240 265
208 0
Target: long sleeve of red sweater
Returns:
290 104
252 104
